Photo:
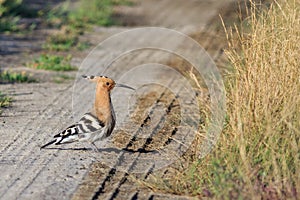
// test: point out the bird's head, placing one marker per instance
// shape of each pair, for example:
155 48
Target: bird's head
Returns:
105 82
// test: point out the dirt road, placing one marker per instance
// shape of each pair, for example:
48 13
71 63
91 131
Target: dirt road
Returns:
40 109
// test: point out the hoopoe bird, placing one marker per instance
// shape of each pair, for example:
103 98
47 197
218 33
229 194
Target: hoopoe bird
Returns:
97 124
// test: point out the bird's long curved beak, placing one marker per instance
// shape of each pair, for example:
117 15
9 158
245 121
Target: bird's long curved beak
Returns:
124 86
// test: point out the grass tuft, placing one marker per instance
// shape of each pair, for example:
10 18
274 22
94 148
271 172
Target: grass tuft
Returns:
15 77
61 42
10 13
8 18
5 101
53 63
74 22
65 40
96 12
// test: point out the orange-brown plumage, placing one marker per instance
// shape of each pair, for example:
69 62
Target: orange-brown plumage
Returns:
102 106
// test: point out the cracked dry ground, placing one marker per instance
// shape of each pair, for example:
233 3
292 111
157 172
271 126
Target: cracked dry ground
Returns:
73 171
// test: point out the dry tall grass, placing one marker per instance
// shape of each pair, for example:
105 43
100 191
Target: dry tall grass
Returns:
258 154
264 99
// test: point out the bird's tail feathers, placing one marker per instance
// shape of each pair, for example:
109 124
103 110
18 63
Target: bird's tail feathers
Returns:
62 140
49 143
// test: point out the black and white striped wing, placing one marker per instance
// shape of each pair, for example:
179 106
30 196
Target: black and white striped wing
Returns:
87 124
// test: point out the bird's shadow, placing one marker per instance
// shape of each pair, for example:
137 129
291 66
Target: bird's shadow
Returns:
108 150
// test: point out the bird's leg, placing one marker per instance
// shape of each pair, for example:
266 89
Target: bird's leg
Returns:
94 147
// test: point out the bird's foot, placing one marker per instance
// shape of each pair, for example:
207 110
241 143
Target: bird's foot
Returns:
94 147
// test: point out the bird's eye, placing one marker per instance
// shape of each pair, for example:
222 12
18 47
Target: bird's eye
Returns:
107 83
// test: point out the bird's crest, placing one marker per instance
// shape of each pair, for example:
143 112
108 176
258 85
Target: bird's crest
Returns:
102 81
105 81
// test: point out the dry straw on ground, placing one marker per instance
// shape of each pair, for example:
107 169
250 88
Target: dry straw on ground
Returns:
258 152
